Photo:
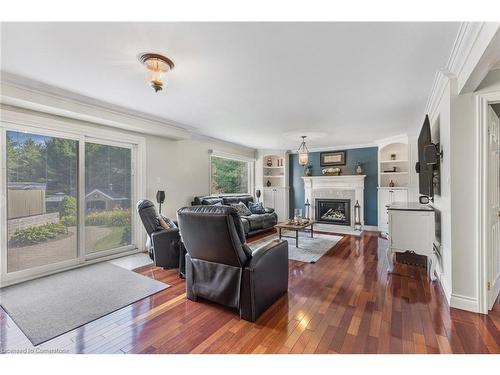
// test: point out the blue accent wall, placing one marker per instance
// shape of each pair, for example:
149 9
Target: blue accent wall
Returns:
368 157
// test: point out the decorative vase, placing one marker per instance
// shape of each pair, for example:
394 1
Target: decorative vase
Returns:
392 184
393 156
359 170
269 162
308 171
268 183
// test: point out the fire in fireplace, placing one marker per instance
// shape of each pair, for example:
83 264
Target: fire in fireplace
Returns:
333 211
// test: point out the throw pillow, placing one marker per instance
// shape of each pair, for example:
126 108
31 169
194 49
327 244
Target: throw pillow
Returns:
241 209
256 208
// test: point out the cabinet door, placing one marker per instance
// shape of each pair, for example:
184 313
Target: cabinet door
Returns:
411 230
280 203
384 198
268 197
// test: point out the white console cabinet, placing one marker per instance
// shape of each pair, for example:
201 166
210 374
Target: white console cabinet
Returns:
412 228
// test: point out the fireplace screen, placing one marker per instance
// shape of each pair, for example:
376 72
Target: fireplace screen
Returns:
333 211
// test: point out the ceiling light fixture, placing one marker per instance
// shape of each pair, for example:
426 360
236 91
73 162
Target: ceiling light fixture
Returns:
303 152
157 66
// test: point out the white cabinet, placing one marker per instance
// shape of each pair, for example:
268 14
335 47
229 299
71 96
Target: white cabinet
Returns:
412 228
387 196
277 198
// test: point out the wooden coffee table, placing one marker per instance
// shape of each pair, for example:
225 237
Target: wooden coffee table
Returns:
296 228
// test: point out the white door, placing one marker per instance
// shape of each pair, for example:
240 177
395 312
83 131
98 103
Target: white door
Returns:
494 207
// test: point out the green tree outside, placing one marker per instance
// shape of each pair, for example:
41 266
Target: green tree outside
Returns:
229 176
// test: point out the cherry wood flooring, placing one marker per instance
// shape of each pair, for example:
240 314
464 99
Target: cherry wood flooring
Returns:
344 303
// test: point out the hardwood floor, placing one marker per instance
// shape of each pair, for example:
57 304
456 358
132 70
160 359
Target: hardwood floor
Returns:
344 303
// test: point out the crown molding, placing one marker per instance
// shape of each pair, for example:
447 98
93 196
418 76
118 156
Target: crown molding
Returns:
28 94
337 148
475 42
441 79
392 139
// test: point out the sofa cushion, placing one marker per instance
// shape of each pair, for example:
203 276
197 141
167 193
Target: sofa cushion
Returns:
237 198
256 208
269 220
208 201
256 221
241 208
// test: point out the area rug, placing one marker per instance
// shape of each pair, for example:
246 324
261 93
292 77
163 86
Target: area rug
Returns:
50 306
309 250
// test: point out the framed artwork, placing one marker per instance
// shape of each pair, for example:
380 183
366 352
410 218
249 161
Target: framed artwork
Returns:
328 159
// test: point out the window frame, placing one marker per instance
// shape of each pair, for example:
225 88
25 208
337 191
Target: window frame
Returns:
13 119
250 167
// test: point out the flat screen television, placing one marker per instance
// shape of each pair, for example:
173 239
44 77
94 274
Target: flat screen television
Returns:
424 167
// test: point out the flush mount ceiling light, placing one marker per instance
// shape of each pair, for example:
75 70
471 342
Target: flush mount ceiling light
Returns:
303 152
157 66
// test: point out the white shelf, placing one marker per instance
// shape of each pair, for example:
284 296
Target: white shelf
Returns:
387 173
274 176
265 167
393 161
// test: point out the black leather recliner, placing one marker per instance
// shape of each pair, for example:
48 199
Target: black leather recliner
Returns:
165 246
220 267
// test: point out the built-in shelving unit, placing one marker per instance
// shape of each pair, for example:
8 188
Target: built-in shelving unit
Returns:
393 164
273 171
271 168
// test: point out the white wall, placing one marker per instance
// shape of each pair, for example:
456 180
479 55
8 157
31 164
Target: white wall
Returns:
453 122
463 201
181 168
440 130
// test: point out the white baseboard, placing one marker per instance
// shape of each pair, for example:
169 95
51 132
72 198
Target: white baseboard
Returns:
446 287
464 303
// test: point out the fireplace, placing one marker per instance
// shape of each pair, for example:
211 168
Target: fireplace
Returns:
333 211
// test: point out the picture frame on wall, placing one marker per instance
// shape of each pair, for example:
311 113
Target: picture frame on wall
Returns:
332 158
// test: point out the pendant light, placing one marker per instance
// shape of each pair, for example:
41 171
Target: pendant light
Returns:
303 152
157 66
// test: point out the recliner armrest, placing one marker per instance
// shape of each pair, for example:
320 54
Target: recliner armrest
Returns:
166 247
261 252
265 279
269 210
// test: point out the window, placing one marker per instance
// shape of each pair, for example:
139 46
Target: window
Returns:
108 185
42 204
68 197
229 176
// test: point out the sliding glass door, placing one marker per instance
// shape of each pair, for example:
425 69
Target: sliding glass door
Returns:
42 200
108 197
66 199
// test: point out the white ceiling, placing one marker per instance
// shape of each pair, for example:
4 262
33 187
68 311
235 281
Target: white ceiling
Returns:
257 84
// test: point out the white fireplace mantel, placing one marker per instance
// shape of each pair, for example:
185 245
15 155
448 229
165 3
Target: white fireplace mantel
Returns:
320 186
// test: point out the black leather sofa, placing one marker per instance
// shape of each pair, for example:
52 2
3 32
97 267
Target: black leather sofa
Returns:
220 267
252 224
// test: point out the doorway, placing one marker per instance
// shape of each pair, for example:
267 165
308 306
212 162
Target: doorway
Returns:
493 205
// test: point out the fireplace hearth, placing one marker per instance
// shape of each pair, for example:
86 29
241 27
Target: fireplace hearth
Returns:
333 211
